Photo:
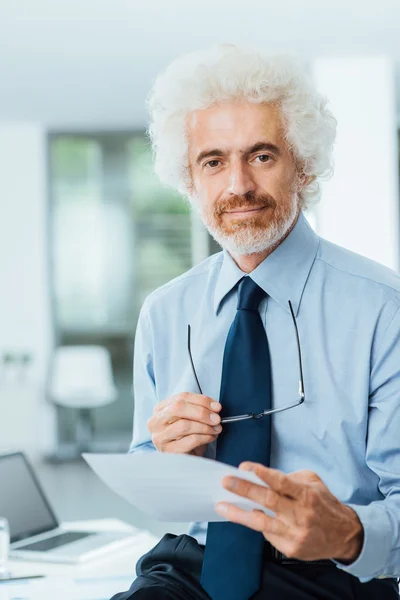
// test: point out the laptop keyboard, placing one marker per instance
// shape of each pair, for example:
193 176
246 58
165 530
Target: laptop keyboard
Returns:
58 540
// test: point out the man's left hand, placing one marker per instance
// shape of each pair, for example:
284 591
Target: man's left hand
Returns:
310 523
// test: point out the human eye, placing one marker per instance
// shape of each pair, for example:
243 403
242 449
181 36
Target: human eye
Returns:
212 164
264 158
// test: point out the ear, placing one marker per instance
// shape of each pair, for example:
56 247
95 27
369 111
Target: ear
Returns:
305 180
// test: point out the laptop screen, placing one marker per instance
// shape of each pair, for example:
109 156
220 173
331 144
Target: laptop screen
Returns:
22 501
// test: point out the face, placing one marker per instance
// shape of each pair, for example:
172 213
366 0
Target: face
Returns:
244 179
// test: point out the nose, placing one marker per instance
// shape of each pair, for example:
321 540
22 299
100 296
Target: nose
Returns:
240 178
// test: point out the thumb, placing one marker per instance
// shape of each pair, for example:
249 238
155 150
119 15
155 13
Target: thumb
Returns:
305 476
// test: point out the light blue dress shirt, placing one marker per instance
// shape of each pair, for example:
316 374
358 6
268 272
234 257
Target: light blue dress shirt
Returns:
348 428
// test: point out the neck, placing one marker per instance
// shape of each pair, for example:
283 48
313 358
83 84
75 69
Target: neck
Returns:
248 262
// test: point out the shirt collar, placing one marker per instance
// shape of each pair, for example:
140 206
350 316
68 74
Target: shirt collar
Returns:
282 275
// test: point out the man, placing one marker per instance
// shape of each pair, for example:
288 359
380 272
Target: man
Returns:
247 138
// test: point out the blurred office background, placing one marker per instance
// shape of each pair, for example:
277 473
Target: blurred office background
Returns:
87 231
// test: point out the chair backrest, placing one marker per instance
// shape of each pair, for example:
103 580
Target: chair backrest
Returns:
82 376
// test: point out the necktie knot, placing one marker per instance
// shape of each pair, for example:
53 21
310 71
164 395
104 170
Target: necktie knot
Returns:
249 295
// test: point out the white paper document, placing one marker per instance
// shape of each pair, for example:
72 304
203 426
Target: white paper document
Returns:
171 487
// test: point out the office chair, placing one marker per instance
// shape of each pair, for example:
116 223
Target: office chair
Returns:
82 379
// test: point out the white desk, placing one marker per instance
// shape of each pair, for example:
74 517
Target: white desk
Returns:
120 563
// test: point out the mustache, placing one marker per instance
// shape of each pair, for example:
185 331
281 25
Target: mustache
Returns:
249 199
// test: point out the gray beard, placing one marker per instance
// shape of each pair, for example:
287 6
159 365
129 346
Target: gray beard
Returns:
249 240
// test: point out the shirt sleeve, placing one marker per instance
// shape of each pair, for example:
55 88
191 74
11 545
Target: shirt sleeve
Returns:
380 554
144 387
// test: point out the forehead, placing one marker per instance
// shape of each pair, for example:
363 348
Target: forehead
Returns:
234 124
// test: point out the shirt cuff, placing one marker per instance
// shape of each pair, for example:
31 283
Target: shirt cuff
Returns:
145 447
377 543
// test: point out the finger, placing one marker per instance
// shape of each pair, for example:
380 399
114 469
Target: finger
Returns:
278 481
188 443
305 476
254 519
280 505
181 408
199 399
183 427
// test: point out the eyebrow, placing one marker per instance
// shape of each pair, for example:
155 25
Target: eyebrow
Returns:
255 148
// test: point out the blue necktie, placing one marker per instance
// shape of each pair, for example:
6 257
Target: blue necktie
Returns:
232 564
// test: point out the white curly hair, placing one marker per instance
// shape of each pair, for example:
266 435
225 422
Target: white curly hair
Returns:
227 72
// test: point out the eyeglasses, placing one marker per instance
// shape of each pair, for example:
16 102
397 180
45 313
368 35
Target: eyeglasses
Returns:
269 411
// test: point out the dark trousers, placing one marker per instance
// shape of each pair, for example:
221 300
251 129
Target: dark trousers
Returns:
171 571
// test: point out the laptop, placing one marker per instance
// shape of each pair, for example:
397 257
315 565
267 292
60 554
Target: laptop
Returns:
34 530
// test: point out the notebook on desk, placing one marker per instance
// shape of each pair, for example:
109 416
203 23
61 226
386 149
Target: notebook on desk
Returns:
35 531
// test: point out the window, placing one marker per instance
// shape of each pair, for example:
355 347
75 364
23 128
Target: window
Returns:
117 234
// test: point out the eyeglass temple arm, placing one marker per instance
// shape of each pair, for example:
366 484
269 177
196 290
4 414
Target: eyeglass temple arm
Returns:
191 361
301 382
259 415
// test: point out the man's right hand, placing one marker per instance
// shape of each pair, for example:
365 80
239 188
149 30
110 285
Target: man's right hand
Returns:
185 423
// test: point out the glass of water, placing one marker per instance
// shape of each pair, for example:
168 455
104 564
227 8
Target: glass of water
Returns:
4 547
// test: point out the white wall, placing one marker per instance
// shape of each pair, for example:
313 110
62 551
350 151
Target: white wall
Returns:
25 316
359 206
